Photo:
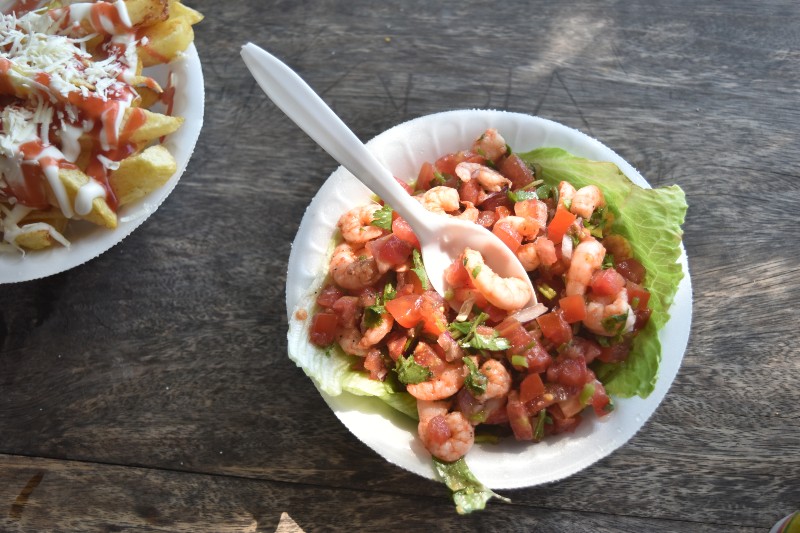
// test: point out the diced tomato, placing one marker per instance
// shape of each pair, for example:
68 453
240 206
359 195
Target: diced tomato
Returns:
607 282
573 307
555 328
470 191
405 309
447 163
432 313
328 295
395 342
487 219
516 334
557 228
403 230
408 283
426 356
515 169
510 237
323 328
457 276
631 269
569 371
537 358
518 417
563 425
637 295
600 401
614 353
426 175
502 212
438 430
584 348
642 317
389 251
348 310
374 363
531 387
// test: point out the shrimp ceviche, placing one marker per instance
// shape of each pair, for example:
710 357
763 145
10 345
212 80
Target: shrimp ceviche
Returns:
486 360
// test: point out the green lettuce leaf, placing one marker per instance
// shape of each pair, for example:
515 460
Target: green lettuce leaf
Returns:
651 220
331 369
469 494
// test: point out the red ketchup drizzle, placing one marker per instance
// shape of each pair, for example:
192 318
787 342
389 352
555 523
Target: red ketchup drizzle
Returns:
104 113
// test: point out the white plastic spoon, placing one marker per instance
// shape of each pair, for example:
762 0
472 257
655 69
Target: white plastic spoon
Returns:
442 238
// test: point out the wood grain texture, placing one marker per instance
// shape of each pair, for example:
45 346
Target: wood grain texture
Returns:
152 383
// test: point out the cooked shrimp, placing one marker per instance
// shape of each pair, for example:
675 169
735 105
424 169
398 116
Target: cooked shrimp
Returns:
498 380
447 436
565 193
375 334
528 257
587 257
586 200
612 318
440 199
352 269
490 180
506 293
490 145
356 224
470 212
441 386
526 227
350 341
533 209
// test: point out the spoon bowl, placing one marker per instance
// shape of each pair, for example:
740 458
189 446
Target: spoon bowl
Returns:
442 238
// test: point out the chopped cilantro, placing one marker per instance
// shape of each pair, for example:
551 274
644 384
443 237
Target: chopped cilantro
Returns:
467 336
438 178
373 313
567 204
382 218
476 381
522 195
608 262
409 372
476 271
615 323
419 270
547 191
538 431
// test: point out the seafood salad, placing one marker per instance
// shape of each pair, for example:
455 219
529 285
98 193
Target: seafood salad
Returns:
482 363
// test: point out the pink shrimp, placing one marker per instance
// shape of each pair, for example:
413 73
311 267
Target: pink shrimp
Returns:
498 380
440 199
610 319
356 227
490 145
587 257
447 436
352 269
490 180
528 256
441 386
533 209
586 200
506 293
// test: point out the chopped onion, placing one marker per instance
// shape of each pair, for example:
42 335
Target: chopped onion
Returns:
466 307
529 313
566 247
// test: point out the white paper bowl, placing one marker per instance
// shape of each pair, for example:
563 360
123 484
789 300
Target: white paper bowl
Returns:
88 240
509 464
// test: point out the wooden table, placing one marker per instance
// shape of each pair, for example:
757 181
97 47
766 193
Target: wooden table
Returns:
150 389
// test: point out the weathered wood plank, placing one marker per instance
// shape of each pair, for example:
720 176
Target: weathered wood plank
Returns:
167 353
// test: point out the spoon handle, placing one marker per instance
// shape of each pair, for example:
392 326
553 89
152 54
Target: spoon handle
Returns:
301 104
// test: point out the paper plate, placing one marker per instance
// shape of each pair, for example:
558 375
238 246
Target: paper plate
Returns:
87 241
509 464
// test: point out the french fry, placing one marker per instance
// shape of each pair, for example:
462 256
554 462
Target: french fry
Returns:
162 30
141 174
165 41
